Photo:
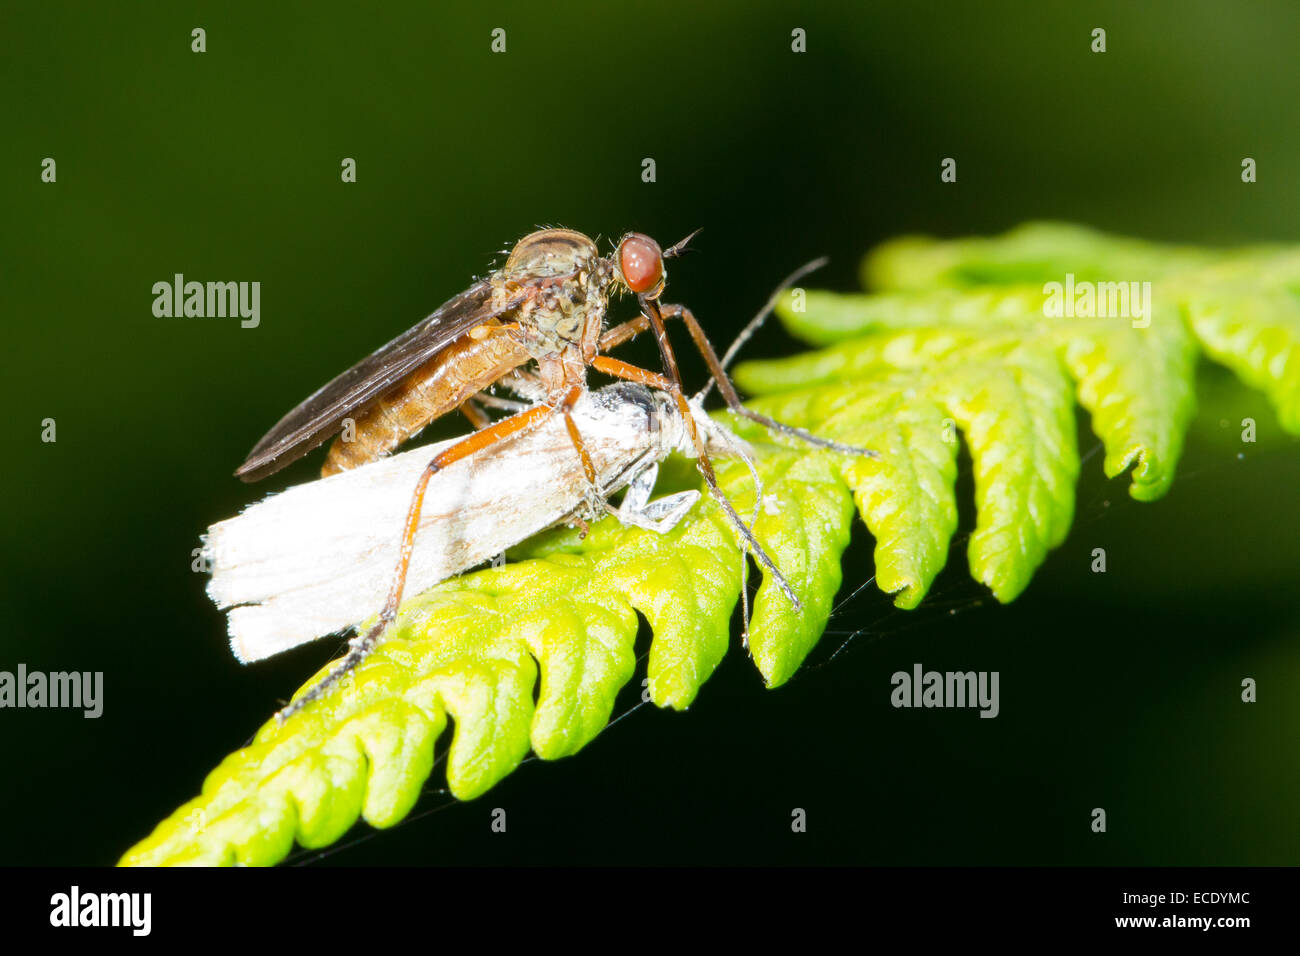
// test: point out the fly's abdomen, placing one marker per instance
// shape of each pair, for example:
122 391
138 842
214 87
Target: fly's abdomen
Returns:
439 386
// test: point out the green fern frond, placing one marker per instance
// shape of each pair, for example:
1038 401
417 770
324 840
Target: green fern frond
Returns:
1137 383
1242 305
936 358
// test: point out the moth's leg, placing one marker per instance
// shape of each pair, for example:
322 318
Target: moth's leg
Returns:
660 515
527 385
473 408
477 417
672 385
504 404
639 489
361 645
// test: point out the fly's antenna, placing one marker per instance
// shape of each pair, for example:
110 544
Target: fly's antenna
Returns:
677 248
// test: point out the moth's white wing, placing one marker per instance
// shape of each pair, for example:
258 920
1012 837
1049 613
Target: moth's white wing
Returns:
319 557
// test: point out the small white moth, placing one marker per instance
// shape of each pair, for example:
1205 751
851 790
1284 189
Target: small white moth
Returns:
318 558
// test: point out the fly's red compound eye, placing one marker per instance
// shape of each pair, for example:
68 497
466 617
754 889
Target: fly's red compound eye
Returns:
641 262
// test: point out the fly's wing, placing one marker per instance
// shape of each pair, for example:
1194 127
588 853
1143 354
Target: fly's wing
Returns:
322 414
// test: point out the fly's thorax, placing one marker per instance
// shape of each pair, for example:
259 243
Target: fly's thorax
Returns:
565 312
569 284
549 252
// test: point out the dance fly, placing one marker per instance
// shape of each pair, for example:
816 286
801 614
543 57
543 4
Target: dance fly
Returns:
544 308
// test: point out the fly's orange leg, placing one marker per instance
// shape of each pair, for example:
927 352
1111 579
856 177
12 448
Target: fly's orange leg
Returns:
672 385
566 408
627 330
361 645
588 468
634 373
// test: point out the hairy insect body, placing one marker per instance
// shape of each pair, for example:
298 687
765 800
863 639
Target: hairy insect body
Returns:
559 326
441 385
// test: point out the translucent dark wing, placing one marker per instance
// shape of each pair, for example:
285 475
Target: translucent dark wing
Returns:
321 415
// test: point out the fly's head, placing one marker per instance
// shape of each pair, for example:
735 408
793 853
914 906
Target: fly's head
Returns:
638 263
639 266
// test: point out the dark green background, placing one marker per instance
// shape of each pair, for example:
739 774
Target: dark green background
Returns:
1118 691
